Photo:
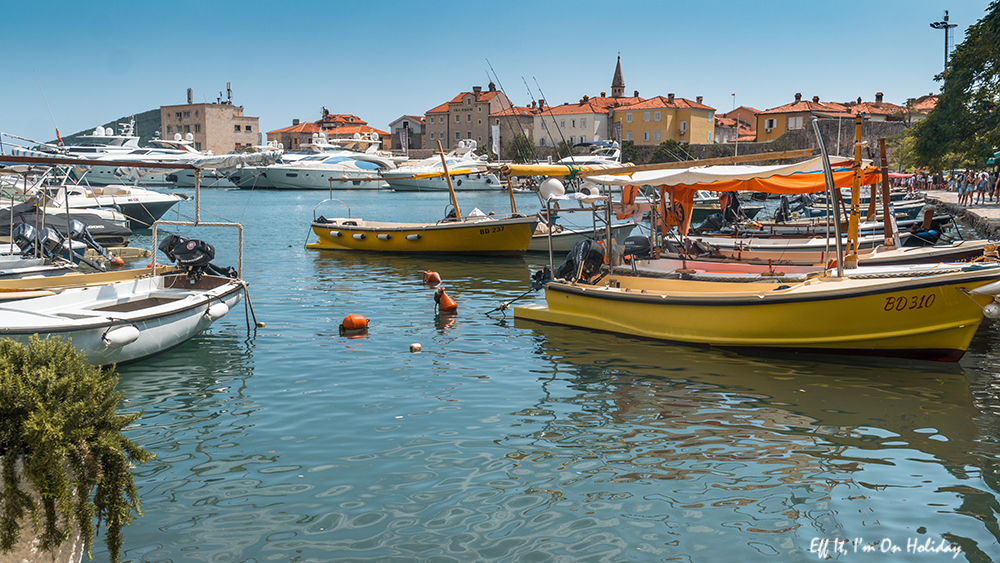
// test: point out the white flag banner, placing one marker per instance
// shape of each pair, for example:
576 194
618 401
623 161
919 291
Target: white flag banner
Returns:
496 140
403 136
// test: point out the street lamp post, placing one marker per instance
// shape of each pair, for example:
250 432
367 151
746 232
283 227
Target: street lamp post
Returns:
945 26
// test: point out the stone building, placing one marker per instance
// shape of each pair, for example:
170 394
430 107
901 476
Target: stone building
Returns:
218 127
415 130
466 116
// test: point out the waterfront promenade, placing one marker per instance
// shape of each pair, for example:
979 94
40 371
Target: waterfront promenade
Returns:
985 218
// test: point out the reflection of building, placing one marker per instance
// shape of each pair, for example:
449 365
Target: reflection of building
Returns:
219 127
333 125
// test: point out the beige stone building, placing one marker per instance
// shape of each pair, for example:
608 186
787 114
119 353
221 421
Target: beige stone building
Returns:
219 127
466 116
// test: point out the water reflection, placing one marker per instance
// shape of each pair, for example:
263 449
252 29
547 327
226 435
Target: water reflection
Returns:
782 450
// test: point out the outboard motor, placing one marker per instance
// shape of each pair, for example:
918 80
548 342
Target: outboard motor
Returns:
784 212
195 256
78 232
712 223
586 258
23 236
638 247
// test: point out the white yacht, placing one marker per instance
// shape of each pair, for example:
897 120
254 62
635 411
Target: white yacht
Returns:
467 170
336 172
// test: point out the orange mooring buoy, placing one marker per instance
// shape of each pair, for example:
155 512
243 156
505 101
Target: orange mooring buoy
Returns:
431 278
444 302
117 261
353 325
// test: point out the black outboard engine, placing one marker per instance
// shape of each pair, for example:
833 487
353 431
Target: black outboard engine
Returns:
78 232
784 212
23 236
195 256
638 247
586 257
712 223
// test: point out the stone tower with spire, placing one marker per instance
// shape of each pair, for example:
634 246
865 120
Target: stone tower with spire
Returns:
618 83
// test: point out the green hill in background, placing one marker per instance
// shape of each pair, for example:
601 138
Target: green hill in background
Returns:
147 124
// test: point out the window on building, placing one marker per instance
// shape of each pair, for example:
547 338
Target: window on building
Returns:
562 123
656 135
187 128
458 119
541 142
571 140
498 122
479 139
645 135
187 114
178 116
770 123
246 128
168 129
468 101
683 128
469 118
628 135
468 134
645 116
628 117
709 139
197 146
236 128
656 116
196 113
480 122
572 123
197 128
795 122
583 122
457 135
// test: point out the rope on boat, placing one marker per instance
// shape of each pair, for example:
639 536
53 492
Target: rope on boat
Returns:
248 309
506 305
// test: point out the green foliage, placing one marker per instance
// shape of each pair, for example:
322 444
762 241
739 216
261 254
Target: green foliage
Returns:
485 151
562 150
147 124
520 149
629 152
58 412
966 119
671 151
719 150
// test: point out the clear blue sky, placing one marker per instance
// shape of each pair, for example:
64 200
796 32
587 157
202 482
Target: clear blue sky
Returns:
99 60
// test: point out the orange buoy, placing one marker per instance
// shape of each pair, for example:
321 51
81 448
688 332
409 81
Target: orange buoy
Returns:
353 325
117 261
444 302
431 278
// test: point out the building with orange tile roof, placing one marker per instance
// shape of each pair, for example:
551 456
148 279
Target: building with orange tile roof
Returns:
658 119
333 126
517 120
466 116
920 107
774 122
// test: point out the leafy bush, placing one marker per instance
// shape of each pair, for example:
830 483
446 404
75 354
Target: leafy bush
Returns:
58 412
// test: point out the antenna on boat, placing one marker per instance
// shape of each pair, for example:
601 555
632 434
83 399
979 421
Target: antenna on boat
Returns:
58 136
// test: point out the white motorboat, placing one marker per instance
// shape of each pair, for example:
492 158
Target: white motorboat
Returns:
599 153
333 172
563 240
468 172
120 316
156 151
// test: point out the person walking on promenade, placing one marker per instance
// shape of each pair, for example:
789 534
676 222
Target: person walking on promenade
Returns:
963 182
981 182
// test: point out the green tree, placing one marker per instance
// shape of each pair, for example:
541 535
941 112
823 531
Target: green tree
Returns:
520 149
58 412
671 151
562 150
629 152
966 118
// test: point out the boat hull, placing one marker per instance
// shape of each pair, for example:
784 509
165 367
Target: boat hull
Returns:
930 318
461 183
165 310
489 237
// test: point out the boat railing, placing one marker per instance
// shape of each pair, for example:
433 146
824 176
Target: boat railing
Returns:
328 200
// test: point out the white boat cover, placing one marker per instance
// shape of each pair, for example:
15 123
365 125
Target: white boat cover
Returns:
711 174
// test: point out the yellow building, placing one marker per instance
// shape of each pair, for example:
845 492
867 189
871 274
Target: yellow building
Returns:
774 122
659 119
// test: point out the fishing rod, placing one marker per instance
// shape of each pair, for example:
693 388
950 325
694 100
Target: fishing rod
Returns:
58 136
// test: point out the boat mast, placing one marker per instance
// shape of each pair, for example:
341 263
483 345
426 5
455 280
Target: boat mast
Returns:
447 177
851 259
888 219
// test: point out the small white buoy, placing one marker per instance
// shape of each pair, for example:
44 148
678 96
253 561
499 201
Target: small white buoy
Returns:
991 311
415 347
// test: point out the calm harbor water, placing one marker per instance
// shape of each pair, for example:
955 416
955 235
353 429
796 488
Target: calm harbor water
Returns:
510 441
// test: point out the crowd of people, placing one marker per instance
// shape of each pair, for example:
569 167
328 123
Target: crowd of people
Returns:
975 187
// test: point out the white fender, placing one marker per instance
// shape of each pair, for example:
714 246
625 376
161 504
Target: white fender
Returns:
217 311
120 336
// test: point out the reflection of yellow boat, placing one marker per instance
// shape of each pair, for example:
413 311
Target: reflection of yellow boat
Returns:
471 237
930 317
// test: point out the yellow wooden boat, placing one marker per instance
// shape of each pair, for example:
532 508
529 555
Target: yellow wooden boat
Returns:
931 317
485 236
